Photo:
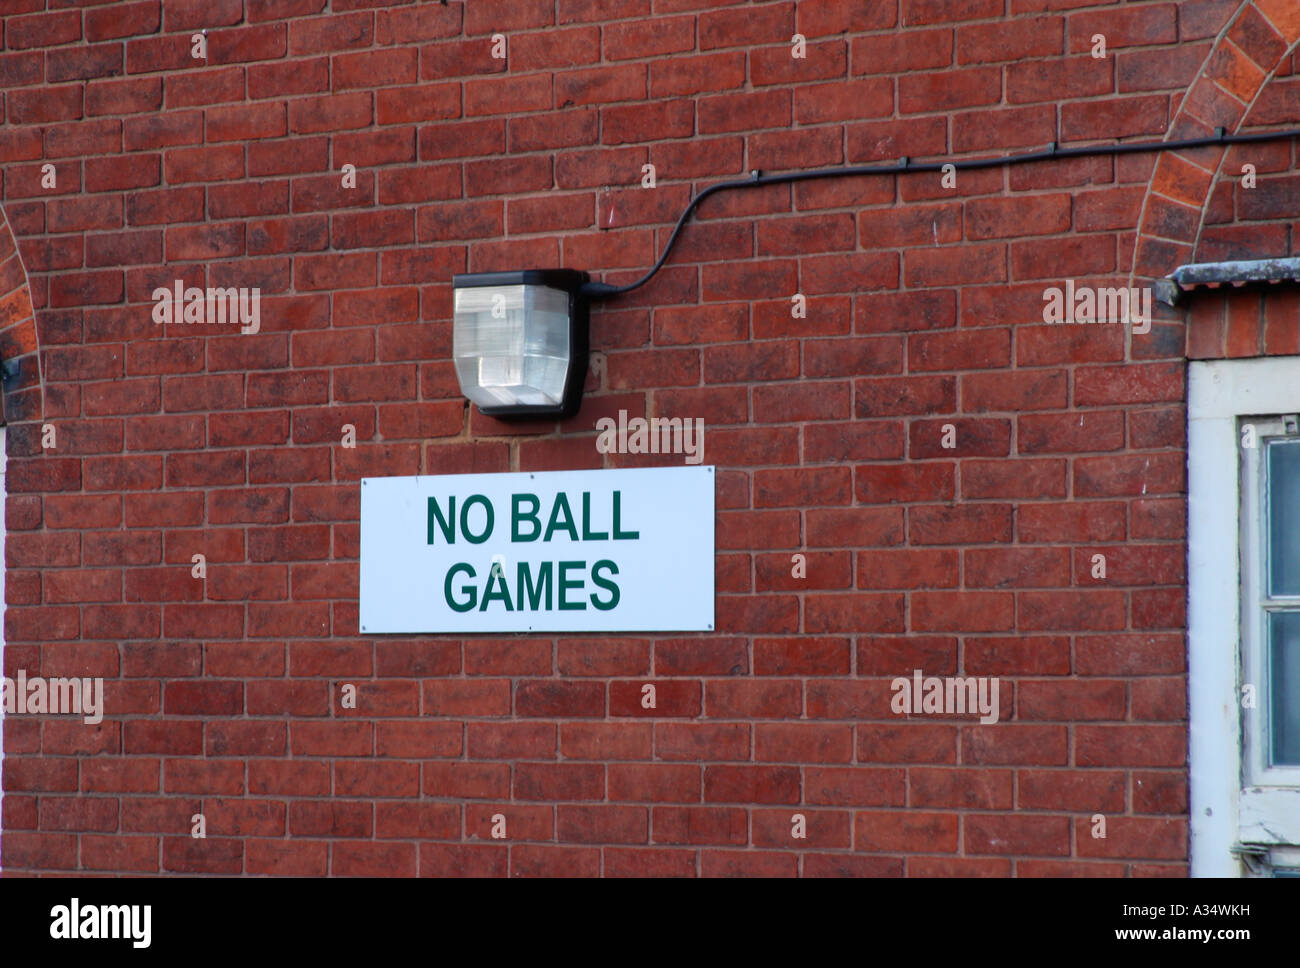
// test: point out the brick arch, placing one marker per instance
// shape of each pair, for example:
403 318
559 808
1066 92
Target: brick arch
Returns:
1258 39
20 368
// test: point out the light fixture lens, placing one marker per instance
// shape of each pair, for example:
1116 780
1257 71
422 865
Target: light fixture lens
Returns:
511 345
519 341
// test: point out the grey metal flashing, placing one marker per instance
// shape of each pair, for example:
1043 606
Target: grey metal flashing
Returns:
1212 275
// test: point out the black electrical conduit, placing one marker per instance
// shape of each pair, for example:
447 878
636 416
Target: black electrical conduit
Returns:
603 290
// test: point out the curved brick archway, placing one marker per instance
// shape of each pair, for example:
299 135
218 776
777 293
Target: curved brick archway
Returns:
19 353
1256 42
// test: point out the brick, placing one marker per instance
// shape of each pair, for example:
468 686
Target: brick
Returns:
1135 837
1131 745
950 90
654 783
457 860
124 20
911 831
744 112
600 85
906 569
329 33
43 30
705 73
690 741
1118 119
824 60
751 784
84 63
52 104
559 781
803 743
664 119
331 113
688 657
512 740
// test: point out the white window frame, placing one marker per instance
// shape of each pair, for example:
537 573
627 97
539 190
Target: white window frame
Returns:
1229 812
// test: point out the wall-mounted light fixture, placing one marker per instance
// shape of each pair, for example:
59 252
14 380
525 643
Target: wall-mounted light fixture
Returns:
519 341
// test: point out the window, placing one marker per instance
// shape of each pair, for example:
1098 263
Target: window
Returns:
1244 616
1270 516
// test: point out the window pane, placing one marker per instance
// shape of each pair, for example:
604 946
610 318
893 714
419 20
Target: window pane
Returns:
1284 704
1284 517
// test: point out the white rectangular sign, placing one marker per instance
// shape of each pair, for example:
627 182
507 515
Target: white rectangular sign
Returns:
627 550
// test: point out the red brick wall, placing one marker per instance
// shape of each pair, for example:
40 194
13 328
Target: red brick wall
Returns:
924 309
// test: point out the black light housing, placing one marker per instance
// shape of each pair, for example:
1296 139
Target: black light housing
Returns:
520 341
